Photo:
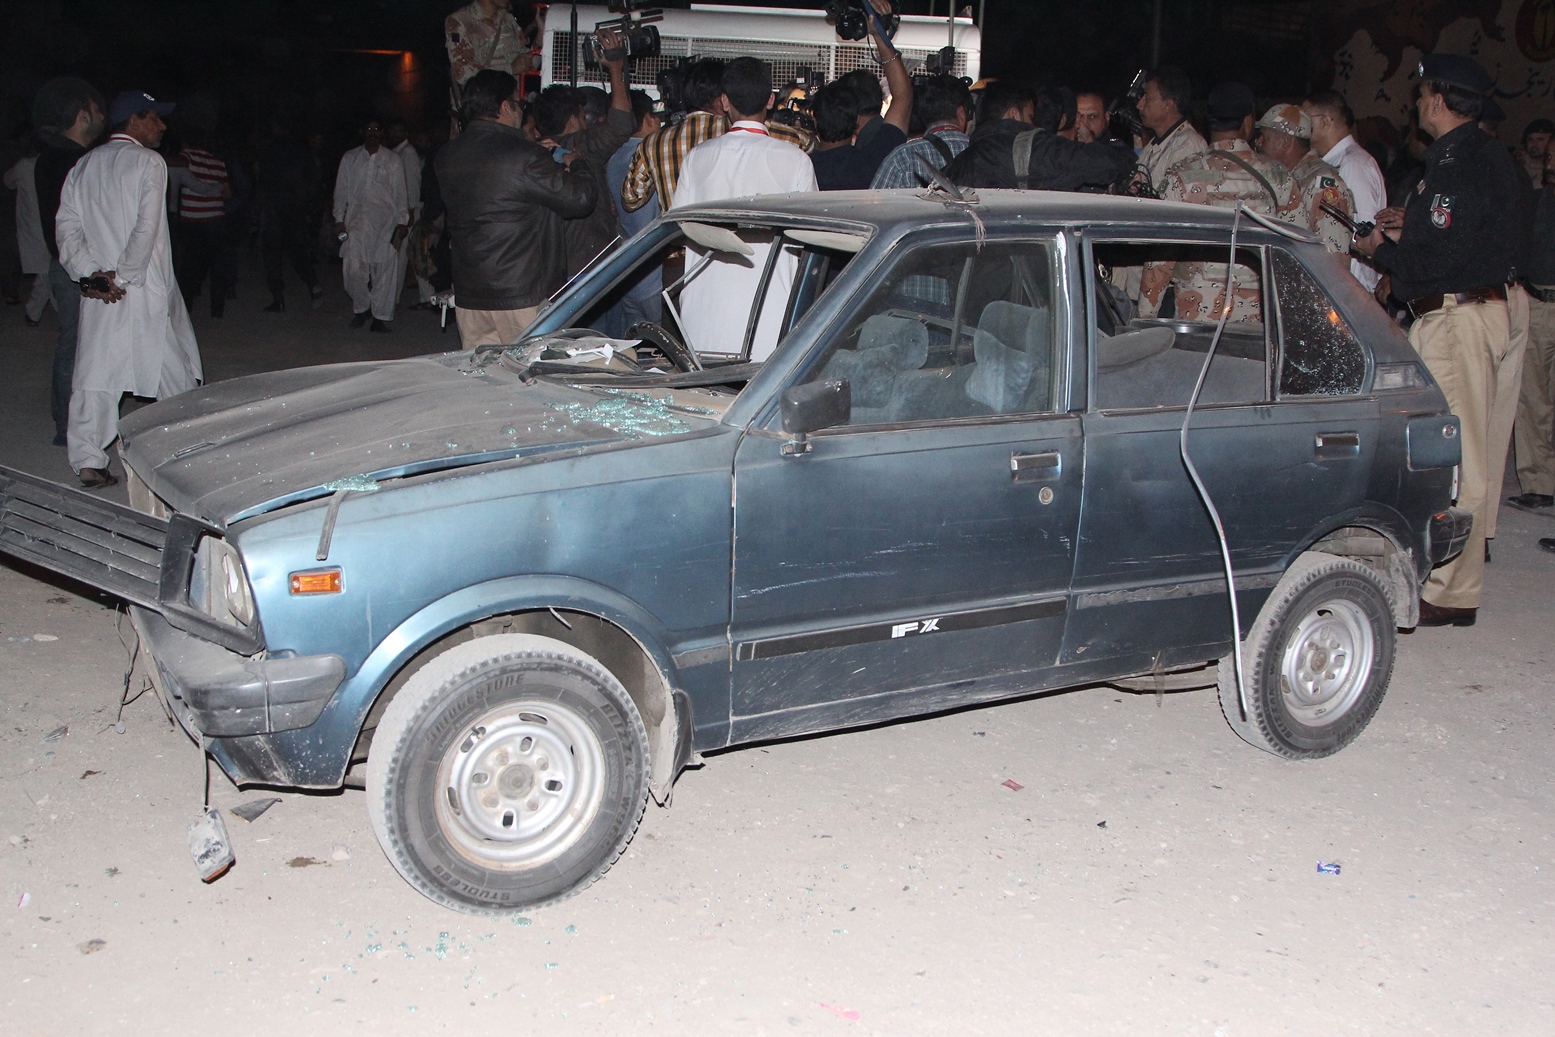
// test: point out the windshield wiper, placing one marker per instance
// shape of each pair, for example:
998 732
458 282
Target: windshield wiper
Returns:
675 379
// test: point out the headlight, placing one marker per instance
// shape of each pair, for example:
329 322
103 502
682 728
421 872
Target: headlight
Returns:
218 585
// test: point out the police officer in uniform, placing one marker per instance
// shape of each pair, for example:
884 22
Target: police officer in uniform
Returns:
1450 252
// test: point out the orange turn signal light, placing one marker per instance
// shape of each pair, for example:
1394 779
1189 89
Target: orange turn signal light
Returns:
319 581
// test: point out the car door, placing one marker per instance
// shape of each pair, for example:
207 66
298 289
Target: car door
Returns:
1149 581
926 544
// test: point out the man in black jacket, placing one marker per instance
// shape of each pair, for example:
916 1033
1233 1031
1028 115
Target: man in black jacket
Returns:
506 198
69 114
1020 147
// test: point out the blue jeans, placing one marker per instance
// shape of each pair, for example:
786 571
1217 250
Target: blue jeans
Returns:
67 306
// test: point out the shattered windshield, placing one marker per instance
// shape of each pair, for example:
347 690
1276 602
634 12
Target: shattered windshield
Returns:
695 310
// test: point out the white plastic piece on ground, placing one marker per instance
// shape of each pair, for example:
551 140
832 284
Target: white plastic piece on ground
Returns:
209 845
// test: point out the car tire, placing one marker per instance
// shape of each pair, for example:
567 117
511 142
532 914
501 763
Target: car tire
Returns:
508 773
1317 660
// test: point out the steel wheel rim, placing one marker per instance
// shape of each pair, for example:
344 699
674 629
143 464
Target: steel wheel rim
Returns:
1326 663
521 786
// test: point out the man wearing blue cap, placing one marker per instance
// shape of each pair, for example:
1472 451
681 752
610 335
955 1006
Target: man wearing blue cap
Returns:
1451 252
135 334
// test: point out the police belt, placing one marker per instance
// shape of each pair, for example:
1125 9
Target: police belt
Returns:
1426 303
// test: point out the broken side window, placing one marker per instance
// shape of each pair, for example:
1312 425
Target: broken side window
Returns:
1319 355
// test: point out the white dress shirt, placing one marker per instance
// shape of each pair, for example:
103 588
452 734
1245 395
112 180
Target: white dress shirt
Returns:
1361 175
715 306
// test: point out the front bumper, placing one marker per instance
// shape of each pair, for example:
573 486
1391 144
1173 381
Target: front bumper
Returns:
1449 531
221 694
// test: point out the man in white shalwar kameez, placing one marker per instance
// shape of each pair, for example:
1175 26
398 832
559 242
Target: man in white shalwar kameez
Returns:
372 210
715 305
29 235
135 337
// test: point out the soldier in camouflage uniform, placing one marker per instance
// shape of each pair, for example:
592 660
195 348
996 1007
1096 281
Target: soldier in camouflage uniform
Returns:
1285 135
1164 111
1227 175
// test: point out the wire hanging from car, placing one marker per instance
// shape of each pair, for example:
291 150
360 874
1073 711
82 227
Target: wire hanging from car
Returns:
1198 484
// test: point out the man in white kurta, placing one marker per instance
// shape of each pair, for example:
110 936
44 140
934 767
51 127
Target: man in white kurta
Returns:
371 210
1332 142
410 158
136 337
715 305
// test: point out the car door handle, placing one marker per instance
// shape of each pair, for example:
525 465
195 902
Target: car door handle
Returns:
1036 467
1338 444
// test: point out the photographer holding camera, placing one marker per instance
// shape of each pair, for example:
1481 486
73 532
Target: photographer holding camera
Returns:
655 168
560 116
851 161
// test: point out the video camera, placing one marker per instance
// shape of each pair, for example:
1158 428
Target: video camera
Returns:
1125 110
852 18
671 82
639 39
793 107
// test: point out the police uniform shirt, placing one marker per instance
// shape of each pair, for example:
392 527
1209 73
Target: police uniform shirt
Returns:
1462 221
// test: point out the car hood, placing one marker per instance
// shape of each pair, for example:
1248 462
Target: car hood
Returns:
238 448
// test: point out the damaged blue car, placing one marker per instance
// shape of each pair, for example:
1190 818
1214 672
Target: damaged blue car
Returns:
925 453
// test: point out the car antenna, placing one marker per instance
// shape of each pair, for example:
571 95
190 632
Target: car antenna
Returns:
1198 484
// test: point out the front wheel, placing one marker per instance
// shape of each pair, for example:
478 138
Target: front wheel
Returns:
509 772
1317 660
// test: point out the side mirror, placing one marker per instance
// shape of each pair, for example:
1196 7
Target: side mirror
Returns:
811 407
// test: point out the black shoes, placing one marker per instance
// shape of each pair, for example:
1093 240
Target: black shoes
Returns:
379 326
1442 616
97 478
1548 543
1531 501
278 306
316 294
360 319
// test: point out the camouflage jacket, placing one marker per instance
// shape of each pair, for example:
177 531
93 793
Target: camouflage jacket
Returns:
1223 176
1318 182
1159 156
476 43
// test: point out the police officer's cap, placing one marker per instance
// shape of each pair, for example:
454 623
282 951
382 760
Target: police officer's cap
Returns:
1231 102
1457 70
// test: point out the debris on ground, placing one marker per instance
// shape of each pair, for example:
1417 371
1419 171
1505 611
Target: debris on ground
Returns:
340 853
304 862
91 946
87 774
1101 824
1012 784
23 900
251 810
44 637
1327 867
209 846
59 732
846 1013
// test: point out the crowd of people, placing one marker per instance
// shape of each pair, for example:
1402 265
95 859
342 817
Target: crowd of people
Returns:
1450 229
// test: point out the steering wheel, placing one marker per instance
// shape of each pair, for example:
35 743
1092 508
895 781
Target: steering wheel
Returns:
681 355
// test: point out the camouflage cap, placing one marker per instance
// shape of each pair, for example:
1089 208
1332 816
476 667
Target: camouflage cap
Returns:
1287 118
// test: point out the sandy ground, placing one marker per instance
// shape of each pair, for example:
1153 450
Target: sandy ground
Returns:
1151 874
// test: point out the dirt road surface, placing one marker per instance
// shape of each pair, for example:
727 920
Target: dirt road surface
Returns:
1094 862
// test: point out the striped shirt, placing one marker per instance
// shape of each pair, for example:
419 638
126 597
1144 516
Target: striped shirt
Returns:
655 168
192 208
903 167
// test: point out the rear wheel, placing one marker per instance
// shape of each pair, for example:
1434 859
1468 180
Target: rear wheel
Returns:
1317 660
509 772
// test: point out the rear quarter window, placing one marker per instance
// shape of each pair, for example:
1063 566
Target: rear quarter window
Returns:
1319 354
